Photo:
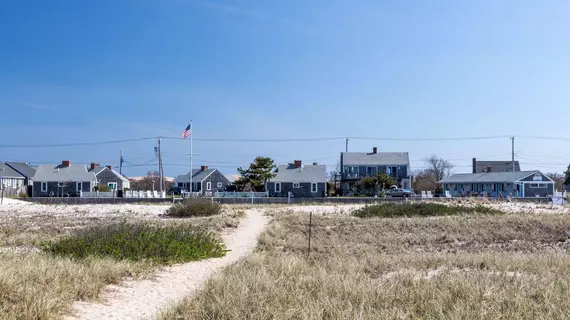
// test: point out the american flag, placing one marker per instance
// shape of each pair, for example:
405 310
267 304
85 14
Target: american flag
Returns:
187 132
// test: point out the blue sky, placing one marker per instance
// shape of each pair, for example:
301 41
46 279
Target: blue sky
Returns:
83 71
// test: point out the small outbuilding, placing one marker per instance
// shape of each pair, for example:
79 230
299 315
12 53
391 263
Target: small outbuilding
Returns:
522 184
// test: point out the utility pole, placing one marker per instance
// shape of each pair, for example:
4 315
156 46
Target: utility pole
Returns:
513 152
121 163
160 172
346 147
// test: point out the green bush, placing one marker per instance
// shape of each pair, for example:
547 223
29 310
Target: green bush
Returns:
390 210
103 188
194 208
140 242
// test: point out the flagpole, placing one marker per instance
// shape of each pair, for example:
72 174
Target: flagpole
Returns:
191 155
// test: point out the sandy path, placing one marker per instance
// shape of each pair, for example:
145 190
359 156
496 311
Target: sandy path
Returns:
143 299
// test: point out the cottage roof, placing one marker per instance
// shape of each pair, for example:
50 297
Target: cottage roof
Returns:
22 168
7 172
491 177
308 173
379 159
198 175
57 173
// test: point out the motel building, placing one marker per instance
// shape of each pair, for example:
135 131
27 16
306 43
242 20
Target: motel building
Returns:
520 184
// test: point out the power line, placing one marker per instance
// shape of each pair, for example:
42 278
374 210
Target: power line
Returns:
76 144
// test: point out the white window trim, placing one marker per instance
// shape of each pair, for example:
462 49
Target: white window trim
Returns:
208 186
44 186
296 185
316 187
78 186
276 189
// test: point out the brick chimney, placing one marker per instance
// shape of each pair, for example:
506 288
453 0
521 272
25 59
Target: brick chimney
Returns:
298 163
489 168
66 164
93 166
374 150
109 167
204 168
474 165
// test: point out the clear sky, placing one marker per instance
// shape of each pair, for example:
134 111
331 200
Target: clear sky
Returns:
87 71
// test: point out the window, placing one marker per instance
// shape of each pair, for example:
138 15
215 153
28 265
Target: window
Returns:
112 185
372 171
534 185
208 186
220 184
277 186
195 187
78 186
296 185
44 186
314 187
180 185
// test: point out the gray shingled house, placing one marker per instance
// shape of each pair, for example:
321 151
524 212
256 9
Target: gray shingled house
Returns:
303 181
204 180
357 165
62 180
500 184
109 177
10 179
494 166
24 169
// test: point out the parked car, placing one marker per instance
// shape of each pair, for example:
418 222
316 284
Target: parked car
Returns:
399 192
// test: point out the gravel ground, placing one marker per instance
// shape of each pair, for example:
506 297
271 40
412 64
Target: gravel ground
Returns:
143 299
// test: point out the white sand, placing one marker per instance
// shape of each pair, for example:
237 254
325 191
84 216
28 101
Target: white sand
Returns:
143 299
23 208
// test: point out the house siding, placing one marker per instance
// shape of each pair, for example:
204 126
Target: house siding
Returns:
52 187
548 190
348 184
304 190
214 178
107 176
494 190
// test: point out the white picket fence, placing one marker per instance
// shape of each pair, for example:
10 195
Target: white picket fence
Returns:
231 194
145 194
126 194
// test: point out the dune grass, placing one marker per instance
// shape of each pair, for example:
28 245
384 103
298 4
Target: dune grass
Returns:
140 242
420 209
43 286
38 286
452 267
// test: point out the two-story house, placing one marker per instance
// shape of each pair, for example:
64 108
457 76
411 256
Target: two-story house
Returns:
357 165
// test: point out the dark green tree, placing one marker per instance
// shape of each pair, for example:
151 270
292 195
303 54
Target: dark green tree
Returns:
261 170
370 186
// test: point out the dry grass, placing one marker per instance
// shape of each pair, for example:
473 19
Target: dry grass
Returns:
34 285
465 267
37 286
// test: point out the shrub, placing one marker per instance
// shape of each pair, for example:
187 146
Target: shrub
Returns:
140 242
390 210
194 208
103 188
22 194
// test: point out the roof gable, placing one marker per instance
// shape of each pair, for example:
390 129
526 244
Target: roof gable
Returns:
197 175
7 172
98 170
380 158
22 168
